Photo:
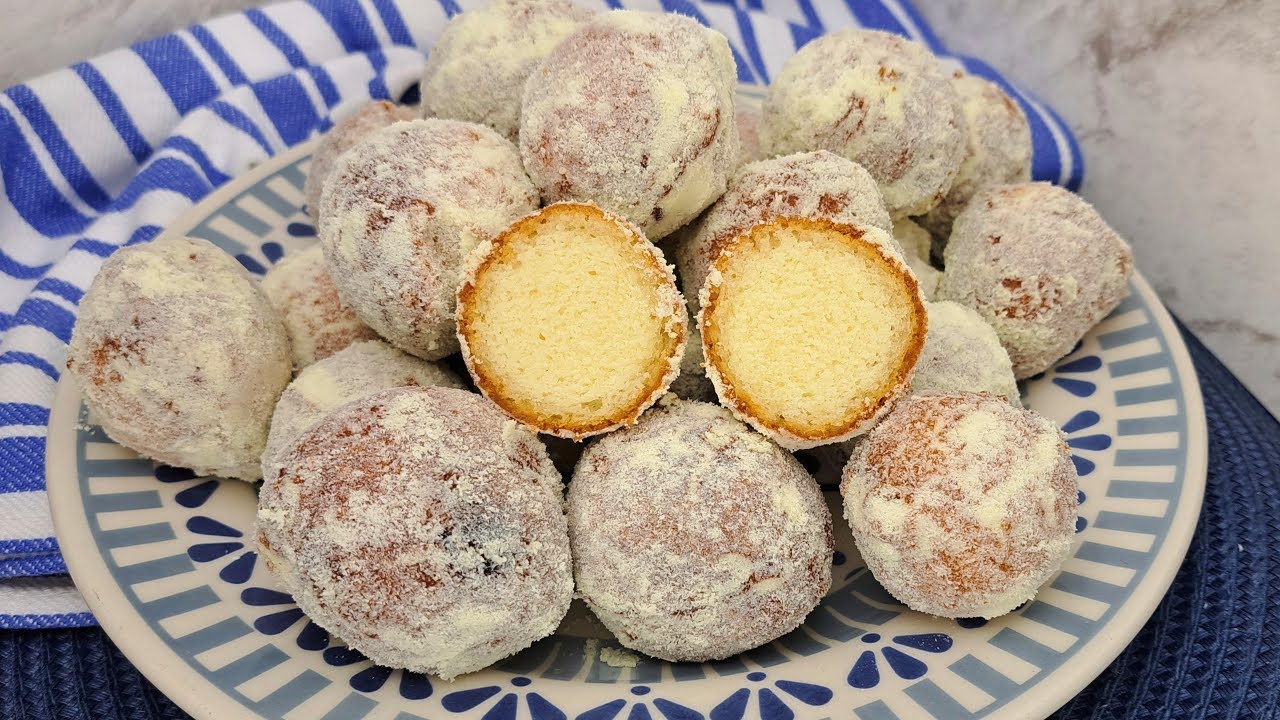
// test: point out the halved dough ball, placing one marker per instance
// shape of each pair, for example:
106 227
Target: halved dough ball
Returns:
811 329
571 322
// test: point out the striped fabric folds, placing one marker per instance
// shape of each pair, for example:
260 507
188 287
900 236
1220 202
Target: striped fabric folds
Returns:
108 151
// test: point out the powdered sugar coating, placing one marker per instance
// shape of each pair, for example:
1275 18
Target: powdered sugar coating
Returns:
423 528
816 184
961 504
749 116
401 211
1037 263
303 294
343 136
997 149
876 98
180 356
634 112
962 352
695 538
916 243
477 68
360 369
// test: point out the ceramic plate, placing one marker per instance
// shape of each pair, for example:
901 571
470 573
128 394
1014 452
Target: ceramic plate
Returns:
164 561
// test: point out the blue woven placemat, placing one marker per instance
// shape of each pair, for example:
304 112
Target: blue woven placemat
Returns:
1210 650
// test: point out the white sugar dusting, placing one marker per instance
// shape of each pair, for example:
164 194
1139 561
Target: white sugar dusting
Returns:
633 112
477 69
961 504
359 370
180 356
997 148
1037 263
414 525
695 538
962 352
342 137
876 98
400 212
303 294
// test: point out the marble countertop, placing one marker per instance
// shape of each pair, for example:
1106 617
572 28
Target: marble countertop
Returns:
1174 101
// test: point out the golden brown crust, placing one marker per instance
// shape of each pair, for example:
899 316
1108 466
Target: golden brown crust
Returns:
790 434
502 249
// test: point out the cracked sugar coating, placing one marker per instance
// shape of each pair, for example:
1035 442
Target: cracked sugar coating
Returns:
997 149
303 294
916 243
401 211
477 68
634 112
423 528
694 538
961 504
878 99
811 184
341 137
962 353
571 322
180 356
1039 265
360 369
811 329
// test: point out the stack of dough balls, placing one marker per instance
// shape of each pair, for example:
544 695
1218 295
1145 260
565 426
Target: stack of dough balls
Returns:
488 268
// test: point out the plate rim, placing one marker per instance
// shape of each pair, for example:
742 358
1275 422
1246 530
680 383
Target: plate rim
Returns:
191 691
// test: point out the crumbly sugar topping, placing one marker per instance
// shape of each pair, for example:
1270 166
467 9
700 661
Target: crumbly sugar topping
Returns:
1040 265
423 528
961 504
342 137
181 356
816 184
694 537
400 212
876 98
962 352
633 112
916 242
477 68
305 298
361 369
997 148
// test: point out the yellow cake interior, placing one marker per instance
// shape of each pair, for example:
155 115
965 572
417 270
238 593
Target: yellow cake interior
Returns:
810 325
568 320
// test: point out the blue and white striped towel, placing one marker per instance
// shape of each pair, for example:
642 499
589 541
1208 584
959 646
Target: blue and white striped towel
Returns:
107 152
